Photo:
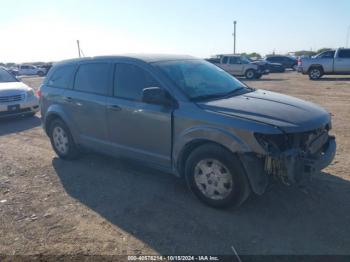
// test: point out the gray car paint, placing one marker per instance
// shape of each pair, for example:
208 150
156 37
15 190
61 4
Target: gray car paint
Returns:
159 135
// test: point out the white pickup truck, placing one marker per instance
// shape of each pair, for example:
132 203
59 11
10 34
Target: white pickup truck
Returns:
333 62
31 70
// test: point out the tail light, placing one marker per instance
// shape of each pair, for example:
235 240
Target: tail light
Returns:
299 61
38 93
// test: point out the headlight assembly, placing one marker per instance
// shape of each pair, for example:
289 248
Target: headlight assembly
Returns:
30 93
273 143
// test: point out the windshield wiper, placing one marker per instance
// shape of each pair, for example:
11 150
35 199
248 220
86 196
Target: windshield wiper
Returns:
220 95
207 97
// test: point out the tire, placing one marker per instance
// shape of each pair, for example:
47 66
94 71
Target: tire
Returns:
250 74
41 73
30 115
315 73
62 140
211 169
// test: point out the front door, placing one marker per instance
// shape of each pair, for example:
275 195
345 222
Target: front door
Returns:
235 66
138 129
342 61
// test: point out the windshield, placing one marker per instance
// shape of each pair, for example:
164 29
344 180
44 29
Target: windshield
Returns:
200 79
6 76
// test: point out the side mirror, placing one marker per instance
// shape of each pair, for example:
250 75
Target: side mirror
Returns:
156 95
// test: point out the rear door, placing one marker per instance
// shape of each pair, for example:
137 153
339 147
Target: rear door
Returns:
138 129
87 102
342 61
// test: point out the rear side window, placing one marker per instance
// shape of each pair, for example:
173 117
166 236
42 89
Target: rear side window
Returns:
62 77
130 80
93 78
344 53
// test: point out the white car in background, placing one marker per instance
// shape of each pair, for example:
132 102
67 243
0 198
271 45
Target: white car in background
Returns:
31 70
16 98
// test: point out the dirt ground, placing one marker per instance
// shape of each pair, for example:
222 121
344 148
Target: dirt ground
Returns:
100 205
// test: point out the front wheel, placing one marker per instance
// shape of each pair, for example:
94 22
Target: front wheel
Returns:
216 177
250 74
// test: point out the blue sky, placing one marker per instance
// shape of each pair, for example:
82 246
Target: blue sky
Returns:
47 30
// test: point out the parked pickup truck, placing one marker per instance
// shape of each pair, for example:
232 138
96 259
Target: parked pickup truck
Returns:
239 66
333 62
31 70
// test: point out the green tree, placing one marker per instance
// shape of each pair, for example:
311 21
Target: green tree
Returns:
323 50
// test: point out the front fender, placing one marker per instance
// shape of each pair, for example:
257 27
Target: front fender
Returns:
210 134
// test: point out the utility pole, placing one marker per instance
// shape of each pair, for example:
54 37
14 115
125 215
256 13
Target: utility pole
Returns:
234 37
347 37
78 48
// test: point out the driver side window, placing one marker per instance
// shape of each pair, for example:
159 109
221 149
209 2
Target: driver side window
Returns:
130 80
328 54
235 60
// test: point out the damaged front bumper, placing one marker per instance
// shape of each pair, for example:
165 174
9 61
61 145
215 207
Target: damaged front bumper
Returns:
294 165
290 166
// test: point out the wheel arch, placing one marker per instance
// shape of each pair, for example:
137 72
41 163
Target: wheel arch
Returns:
55 112
315 66
195 137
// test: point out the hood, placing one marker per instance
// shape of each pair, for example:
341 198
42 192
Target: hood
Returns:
10 88
287 113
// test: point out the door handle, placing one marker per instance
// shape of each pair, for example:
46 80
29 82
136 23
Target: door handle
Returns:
114 107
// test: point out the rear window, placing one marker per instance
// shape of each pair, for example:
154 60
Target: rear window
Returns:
62 77
93 78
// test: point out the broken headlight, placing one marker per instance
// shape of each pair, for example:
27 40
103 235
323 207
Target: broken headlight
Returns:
274 143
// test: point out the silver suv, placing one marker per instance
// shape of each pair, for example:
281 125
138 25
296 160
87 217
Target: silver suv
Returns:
187 117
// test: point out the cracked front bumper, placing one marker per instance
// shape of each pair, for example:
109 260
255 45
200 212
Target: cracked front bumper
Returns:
291 166
294 166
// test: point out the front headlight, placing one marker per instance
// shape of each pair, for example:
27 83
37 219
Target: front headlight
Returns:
30 93
274 143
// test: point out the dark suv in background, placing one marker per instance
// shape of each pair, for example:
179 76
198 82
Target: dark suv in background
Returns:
188 117
285 61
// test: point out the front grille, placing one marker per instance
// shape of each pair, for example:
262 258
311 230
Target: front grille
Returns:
9 113
13 98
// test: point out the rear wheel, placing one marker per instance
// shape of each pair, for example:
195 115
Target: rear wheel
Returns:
62 140
250 74
216 177
315 73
